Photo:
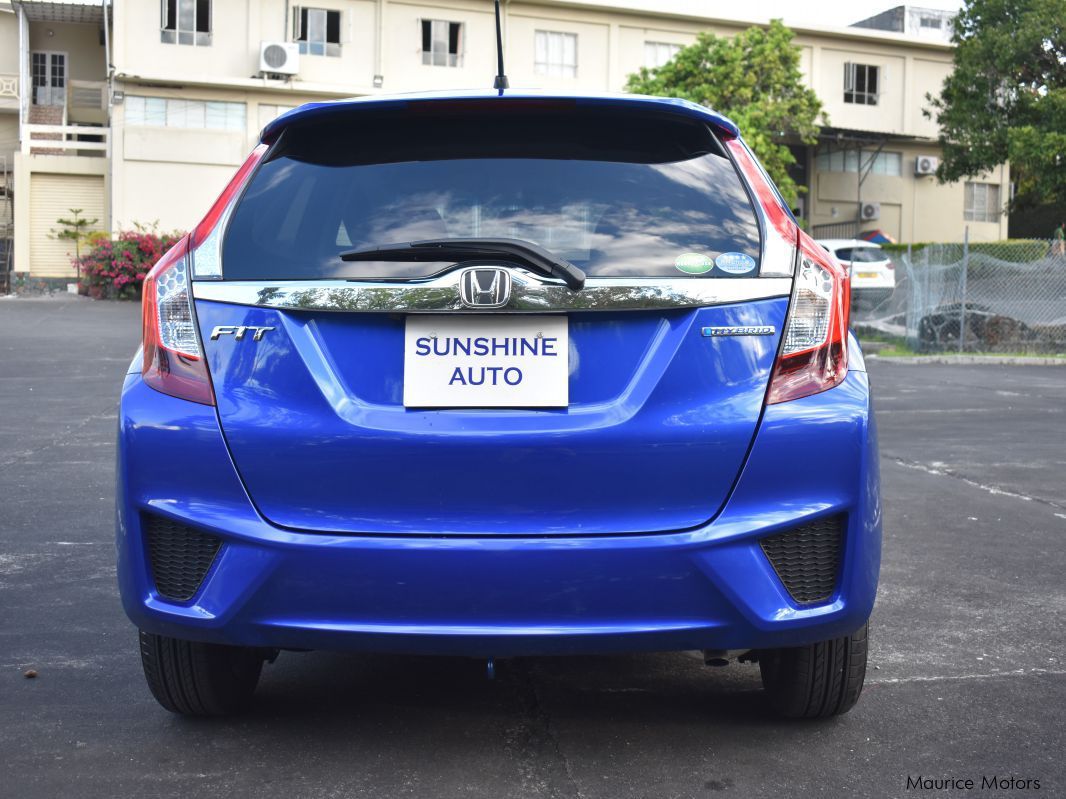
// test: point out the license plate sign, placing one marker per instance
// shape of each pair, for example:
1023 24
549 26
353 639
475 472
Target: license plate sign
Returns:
486 361
868 275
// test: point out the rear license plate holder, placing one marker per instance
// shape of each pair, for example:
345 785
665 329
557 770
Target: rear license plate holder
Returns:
486 361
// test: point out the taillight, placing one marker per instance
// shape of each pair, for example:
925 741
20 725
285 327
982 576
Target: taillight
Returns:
814 352
890 265
173 358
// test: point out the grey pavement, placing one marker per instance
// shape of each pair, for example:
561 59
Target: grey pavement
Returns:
967 673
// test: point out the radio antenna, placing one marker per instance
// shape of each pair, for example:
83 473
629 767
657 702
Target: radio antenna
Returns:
501 79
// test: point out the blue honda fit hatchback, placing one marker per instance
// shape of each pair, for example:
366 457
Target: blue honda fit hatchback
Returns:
498 374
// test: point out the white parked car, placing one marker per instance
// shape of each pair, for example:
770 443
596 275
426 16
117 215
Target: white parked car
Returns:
873 275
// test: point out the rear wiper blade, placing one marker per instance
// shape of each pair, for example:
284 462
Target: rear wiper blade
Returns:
525 253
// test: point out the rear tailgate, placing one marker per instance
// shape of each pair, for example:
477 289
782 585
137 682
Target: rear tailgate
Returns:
669 347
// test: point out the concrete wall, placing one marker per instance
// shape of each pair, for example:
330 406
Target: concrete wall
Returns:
171 176
9 66
594 37
9 121
402 46
9 137
927 76
9 41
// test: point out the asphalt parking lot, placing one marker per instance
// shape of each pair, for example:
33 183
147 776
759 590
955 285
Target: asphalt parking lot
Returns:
967 678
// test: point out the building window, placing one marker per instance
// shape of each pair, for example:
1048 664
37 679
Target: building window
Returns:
656 54
861 83
442 43
269 112
170 112
981 202
555 54
838 160
48 73
930 22
186 22
318 31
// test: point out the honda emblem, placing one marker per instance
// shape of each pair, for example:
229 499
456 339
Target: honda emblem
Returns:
485 287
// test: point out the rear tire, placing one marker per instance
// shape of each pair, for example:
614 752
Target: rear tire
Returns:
196 679
818 680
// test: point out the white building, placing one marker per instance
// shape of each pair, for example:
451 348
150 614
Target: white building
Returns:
154 138
926 23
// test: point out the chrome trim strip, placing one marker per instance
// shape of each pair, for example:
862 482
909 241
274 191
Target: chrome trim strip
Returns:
529 294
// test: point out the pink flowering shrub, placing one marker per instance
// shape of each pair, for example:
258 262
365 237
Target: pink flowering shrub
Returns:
115 268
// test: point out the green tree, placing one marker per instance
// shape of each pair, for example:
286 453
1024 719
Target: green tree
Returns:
1006 98
75 229
754 79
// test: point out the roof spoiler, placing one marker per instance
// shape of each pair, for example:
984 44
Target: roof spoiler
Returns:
321 112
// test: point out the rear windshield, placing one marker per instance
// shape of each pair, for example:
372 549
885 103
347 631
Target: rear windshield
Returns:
862 255
617 194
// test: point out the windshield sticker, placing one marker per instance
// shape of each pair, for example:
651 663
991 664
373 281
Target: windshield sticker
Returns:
693 263
735 263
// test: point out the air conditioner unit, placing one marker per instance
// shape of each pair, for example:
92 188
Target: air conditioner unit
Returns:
871 211
279 58
926 165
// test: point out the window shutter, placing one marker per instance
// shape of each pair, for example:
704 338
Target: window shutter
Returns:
849 76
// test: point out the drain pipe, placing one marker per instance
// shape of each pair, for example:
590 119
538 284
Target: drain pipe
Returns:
109 91
378 80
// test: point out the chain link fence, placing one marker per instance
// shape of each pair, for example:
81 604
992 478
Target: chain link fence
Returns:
995 297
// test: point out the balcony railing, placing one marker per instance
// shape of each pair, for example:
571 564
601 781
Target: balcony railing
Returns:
65 140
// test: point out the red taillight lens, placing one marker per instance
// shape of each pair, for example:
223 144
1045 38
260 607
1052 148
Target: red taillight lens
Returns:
173 357
814 352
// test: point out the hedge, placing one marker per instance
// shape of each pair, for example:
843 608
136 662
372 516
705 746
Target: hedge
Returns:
115 267
1017 251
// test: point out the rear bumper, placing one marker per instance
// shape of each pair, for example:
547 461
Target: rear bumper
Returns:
706 588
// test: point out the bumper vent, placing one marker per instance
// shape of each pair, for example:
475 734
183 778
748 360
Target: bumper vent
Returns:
807 559
180 556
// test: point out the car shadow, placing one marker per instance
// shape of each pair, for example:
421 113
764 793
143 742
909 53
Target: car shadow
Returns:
340 691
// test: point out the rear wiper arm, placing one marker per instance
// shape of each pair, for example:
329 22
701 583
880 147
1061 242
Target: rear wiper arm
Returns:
525 253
